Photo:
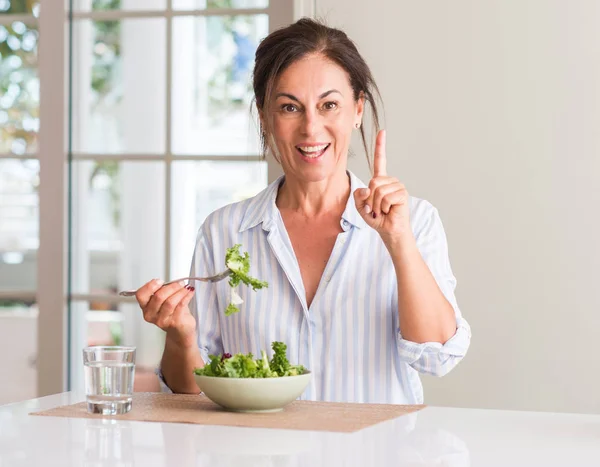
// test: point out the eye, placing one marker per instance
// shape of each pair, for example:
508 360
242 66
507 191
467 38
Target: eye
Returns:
289 108
330 105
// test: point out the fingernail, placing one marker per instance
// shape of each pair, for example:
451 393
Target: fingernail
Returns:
367 208
159 282
182 283
374 215
191 289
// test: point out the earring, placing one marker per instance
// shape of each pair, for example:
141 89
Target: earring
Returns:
357 126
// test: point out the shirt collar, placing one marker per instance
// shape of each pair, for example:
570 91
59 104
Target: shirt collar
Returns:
263 210
351 214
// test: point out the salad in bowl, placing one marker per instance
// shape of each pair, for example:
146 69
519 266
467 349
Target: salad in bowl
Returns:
242 382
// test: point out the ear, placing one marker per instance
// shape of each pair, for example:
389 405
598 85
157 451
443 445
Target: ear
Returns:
360 106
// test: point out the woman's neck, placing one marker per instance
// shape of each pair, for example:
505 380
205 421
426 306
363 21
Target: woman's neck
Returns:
312 199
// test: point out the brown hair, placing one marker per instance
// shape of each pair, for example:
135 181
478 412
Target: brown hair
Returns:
307 36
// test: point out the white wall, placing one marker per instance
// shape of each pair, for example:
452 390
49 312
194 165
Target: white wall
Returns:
493 112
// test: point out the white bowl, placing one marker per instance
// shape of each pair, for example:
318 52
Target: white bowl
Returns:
253 394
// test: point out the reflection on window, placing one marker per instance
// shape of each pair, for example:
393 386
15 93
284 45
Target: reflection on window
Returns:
19 223
213 59
17 306
19 88
199 188
19 7
120 83
104 199
106 4
19 183
128 5
211 4
106 54
118 225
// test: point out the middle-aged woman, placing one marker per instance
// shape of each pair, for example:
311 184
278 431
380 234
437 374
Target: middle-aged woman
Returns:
360 284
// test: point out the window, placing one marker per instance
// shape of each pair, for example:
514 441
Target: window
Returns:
162 134
19 199
158 132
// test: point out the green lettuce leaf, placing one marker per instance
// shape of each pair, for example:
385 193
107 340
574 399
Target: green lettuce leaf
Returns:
245 366
240 267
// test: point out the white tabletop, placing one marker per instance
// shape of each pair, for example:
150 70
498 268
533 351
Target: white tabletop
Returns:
432 437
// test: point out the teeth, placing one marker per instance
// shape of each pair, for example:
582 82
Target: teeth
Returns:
312 148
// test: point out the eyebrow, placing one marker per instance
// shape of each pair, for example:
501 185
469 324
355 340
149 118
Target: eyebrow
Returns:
294 98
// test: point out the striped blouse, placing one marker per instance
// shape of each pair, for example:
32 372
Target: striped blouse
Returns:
349 337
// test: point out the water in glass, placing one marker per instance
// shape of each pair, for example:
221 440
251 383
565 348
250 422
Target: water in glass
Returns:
109 374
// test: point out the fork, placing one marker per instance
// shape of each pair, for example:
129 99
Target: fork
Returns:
215 278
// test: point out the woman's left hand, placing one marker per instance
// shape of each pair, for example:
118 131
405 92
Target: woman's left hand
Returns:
384 204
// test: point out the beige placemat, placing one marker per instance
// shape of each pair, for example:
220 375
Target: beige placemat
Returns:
299 415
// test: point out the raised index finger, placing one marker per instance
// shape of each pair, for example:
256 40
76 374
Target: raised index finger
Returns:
380 159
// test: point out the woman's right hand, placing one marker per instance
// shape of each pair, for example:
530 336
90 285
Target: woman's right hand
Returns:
167 307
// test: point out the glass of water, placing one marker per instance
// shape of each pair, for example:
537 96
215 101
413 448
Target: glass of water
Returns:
109 373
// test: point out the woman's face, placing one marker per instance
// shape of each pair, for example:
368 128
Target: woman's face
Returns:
313 114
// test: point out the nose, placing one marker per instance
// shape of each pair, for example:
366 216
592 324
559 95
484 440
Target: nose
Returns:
310 122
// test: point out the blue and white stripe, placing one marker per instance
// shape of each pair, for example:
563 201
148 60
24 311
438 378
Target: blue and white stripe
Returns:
349 337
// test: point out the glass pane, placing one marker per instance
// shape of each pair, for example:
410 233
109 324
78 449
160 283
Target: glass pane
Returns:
119 86
19 225
211 4
19 7
199 188
19 88
104 322
17 306
211 87
99 5
118 225
18 349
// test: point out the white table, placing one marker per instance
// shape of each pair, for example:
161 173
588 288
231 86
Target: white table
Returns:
432 437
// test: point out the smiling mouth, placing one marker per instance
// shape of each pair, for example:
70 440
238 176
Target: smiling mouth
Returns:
313 152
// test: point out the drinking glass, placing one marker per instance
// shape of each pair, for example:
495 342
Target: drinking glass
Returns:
109 373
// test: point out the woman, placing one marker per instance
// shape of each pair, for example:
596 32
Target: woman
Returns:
360 286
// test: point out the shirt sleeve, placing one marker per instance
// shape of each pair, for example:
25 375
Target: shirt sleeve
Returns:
204 303
435 358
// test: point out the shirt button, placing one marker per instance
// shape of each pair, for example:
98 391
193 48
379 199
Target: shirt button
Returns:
345 223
